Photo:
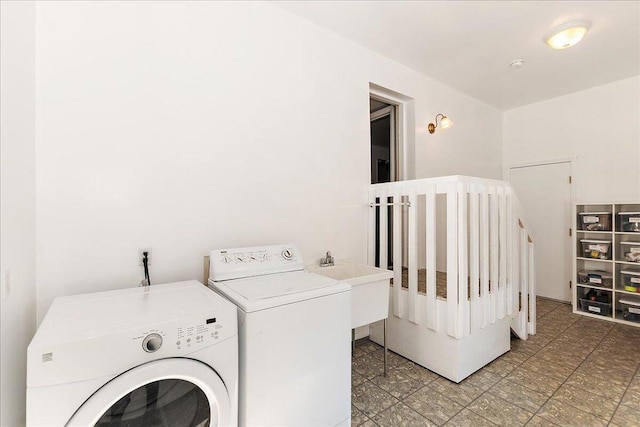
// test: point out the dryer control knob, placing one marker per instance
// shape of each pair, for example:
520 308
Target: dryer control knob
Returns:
152 343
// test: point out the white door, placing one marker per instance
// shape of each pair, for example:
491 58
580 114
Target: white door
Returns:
545 193
168 392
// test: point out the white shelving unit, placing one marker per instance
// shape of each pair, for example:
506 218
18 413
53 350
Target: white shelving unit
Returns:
606 271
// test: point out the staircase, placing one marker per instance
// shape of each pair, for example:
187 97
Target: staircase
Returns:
462 257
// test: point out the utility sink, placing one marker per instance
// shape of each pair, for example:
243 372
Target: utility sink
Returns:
369 289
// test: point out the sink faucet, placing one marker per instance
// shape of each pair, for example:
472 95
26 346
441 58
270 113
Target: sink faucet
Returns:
327 261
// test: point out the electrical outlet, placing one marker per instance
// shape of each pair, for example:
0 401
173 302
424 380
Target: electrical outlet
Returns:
141 255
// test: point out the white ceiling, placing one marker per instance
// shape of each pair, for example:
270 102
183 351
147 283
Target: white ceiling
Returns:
468 45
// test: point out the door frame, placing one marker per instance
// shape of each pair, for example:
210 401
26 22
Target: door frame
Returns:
405 139
405 121
569 251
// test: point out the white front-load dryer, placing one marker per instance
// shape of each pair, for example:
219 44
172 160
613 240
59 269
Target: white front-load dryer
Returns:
163 355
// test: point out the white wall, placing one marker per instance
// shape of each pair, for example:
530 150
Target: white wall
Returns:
599 128
191 126
17 203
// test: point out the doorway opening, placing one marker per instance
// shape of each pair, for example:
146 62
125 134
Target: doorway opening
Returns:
384 155
384 162
392 153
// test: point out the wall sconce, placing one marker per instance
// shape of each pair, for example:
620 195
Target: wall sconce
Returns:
445 122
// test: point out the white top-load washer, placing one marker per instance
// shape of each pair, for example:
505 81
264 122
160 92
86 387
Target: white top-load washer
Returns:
294 337
158 355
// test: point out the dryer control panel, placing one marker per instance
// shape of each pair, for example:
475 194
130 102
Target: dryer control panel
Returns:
228 264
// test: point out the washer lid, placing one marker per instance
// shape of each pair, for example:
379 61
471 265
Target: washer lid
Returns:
263 292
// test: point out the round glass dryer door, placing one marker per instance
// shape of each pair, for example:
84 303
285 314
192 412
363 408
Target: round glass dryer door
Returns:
169 392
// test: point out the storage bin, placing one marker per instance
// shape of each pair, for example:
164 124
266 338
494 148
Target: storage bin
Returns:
630 308
630 280
630 221
631 251
598 249
595 221
595 307
599 278
594 301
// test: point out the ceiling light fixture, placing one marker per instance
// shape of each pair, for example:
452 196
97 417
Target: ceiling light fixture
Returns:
445 122
566 35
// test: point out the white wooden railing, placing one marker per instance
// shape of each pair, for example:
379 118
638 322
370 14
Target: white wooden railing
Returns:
489 252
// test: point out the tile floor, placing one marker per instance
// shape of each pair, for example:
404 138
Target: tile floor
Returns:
576 371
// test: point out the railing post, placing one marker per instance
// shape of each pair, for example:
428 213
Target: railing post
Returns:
510 237
531 288
463 322
383 233
413 257
452 261
474 257
397 251
493 254
430 236
524 286
371 230
484 257
502 245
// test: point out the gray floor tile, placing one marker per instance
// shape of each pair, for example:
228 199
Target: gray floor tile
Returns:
565 359
500 411
622 374
402 416
586 401
366 345
627 416
463 393
566 415
434 406
393 359
371 399
368 366
514 357
357 417
563 348
501 367
613 356
535 381
417 372
519 395
538 421
632 396
483 379
356 379
466 418
608 389
397 383
550 369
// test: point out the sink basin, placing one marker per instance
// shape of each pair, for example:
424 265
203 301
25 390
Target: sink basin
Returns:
369 289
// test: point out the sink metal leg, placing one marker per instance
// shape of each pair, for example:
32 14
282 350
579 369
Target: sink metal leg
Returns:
384 338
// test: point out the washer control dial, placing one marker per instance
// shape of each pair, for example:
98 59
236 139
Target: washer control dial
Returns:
287 254
152 343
